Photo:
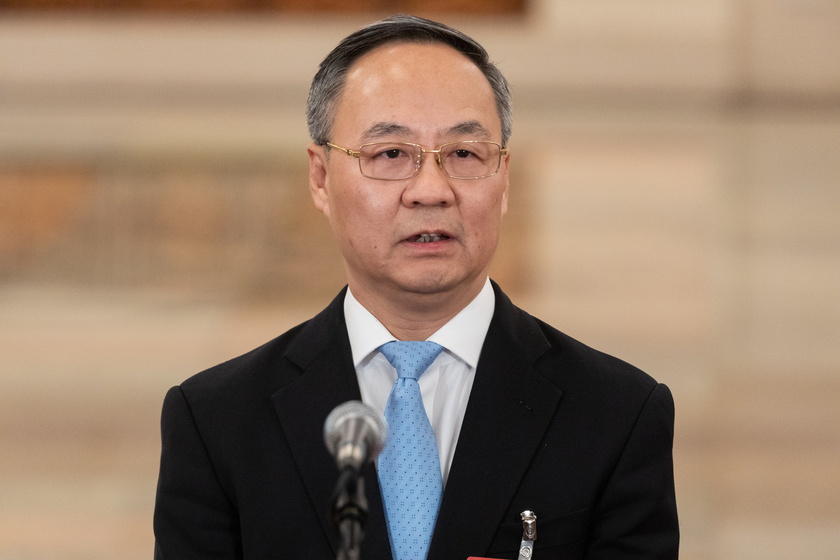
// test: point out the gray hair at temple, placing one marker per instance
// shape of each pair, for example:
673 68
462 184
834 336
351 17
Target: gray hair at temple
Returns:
328 83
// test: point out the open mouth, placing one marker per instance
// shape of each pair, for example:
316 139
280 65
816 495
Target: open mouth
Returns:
428 237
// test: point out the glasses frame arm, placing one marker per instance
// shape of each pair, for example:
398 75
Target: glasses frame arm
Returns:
348 151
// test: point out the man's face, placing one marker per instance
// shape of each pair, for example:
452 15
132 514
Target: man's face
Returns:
427 95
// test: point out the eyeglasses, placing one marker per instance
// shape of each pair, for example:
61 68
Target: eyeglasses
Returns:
396 161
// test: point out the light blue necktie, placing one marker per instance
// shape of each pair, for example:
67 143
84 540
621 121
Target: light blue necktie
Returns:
409 466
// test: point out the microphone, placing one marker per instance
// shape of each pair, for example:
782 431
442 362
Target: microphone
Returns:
354 433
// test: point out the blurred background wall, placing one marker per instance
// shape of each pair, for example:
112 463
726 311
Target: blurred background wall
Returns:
675 191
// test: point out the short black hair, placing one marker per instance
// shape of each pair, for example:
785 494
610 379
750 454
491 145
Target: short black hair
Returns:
329 81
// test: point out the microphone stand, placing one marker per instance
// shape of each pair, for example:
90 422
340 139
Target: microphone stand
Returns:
349 513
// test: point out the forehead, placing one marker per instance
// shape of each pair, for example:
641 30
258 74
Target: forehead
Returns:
422 87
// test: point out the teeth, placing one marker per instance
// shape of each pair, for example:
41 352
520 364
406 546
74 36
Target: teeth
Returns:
428 237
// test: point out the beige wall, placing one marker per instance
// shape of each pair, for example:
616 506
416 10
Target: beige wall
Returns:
675 190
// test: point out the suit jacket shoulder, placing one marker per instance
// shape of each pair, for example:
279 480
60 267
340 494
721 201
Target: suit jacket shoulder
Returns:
567 363
244 471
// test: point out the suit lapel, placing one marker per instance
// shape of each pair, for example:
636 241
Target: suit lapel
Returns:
509 409
321 378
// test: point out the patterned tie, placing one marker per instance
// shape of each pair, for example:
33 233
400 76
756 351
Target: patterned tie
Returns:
409 467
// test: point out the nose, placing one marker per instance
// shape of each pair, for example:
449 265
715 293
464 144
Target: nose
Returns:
430 187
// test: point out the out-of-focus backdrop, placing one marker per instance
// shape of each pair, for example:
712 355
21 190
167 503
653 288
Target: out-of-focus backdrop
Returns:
675 199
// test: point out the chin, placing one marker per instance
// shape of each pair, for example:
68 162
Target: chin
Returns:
431 284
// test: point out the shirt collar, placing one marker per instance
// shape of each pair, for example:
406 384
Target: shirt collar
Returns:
463 335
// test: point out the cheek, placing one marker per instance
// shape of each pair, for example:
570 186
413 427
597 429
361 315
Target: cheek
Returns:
487 211
359 217
368 208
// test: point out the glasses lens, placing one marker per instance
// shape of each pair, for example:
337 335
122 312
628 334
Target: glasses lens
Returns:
469 160
389 161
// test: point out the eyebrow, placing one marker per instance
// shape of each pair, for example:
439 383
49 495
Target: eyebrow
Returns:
382 129
471 128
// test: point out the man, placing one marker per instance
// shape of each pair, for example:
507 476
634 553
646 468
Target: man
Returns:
408 163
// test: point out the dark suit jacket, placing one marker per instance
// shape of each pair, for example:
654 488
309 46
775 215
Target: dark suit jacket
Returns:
581 438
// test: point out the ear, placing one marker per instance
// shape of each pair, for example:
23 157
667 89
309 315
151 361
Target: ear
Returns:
318 178
505 171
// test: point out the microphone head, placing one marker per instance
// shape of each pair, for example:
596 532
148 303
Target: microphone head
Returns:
355 433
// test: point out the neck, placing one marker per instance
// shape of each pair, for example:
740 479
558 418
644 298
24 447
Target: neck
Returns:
415 316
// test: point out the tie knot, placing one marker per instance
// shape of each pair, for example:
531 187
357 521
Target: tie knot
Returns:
411 358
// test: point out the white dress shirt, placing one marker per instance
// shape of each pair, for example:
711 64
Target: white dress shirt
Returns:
445 386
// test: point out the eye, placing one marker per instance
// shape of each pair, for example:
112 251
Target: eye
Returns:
387 153
393 153
463 154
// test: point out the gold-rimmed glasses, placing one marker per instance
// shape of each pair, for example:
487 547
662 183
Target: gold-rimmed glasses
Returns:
397 161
